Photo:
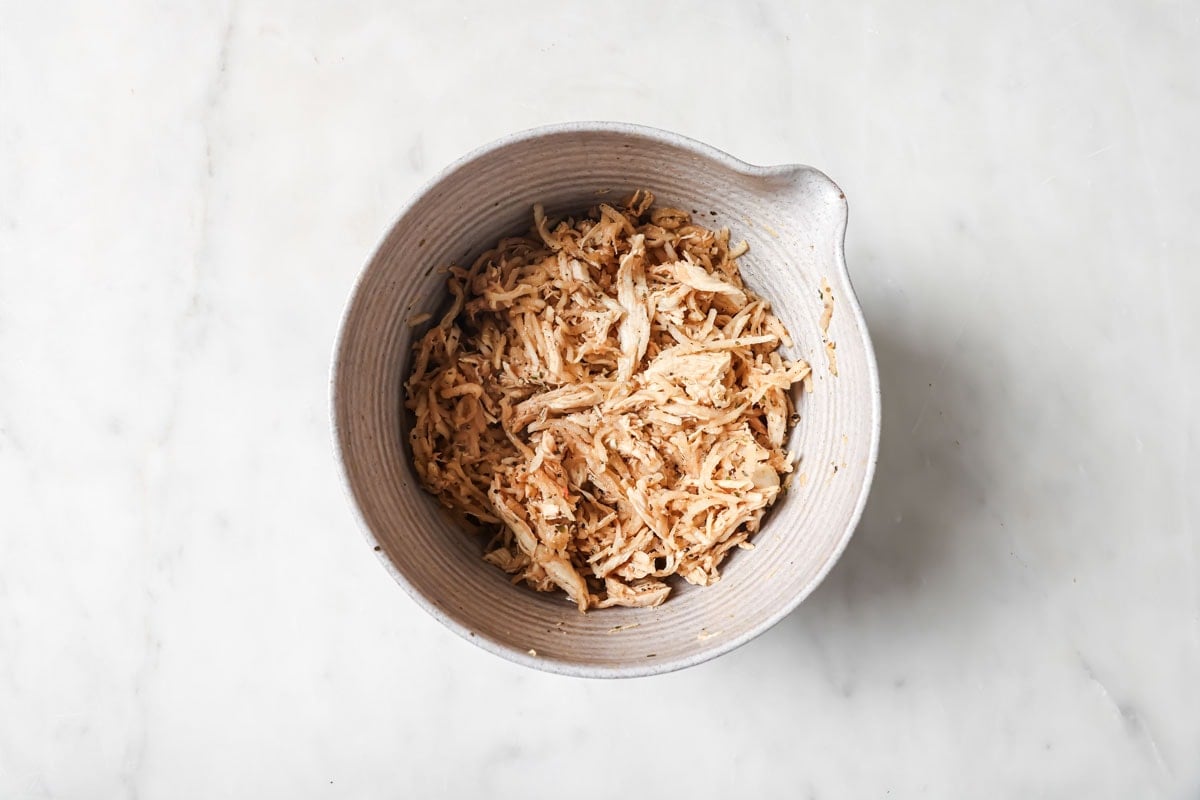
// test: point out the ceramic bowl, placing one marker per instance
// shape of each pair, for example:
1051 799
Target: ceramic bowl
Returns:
794 218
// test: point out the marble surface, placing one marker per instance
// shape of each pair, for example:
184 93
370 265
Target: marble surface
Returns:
186 194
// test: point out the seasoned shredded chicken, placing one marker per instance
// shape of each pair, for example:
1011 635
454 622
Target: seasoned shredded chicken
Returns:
826 317
607 396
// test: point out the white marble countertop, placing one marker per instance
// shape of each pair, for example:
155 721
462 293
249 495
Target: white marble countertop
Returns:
186 607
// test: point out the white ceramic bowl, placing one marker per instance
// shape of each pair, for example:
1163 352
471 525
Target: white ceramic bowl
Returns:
794 218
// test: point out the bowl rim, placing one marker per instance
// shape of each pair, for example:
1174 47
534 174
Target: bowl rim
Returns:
558 665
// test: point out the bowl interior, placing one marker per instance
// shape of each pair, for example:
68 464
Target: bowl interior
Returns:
794 219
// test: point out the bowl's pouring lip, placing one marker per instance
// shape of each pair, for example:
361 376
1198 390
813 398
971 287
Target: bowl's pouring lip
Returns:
849 299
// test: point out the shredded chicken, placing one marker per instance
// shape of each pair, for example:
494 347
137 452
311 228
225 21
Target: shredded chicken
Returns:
607 397
826 305
826 317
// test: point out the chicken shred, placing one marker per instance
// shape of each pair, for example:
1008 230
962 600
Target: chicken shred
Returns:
607 397
826 317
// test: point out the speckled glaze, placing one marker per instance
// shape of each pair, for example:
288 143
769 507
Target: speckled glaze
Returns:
794 218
